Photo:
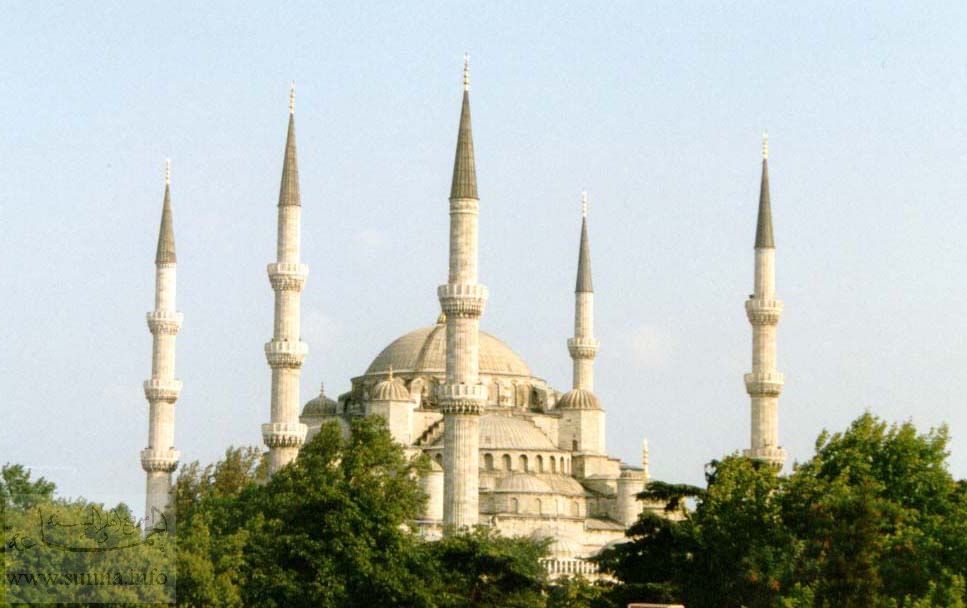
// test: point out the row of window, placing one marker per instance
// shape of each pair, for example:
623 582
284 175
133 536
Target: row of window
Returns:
551 464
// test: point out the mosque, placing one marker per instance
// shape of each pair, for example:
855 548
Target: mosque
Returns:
506 449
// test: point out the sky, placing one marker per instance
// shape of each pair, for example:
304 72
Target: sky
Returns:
656 109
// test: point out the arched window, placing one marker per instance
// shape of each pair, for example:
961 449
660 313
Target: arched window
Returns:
540 507
514 505
489 462
553 464
575 509
439 459
523 463
506 459
540 464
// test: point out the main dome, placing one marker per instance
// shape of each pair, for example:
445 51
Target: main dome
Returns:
425 351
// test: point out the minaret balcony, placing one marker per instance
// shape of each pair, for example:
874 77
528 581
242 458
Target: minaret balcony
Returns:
162 390
285 353
164 321
764 384
774 456
160 461
286 276
284 434
461 398
763 312
462 300
582 348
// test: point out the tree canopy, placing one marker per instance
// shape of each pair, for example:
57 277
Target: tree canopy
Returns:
873 519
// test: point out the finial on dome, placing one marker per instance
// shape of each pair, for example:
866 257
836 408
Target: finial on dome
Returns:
390 372
322 389
442 319
584 203
466 71
765 145
167 171
292 98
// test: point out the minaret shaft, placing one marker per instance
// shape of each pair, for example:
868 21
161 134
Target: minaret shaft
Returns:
462 300
159 459
764 384
583 346
284 434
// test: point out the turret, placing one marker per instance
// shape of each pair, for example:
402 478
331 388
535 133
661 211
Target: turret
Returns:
392 401
160 458
286 351
764 383
462 299
582 417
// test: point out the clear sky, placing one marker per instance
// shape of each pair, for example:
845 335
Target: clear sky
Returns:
655 108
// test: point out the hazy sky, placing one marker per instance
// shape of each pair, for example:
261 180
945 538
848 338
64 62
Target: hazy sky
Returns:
655 109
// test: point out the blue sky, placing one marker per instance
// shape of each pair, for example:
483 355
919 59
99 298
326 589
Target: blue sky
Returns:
655 108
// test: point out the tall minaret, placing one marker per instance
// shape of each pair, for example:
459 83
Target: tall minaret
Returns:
763 309
285 353
160 458
462 299
583 347
581 427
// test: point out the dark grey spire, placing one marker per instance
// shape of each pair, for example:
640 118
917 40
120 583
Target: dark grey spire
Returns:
166 234
763 228
584 252
289 190
464 169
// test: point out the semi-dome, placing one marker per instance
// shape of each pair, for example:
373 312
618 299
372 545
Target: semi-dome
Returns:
522 482
509 433
425 351
578 399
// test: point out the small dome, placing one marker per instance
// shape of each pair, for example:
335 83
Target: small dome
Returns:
561 546
578 399
521 482
425 351
390 389
320 406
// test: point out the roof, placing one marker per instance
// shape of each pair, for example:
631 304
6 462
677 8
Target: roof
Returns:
503 432
584 261
763 227
464 170
390 389
425 351
166 233
578 399
289 189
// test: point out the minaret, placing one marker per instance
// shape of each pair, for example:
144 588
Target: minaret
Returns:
763 309
160 458
581 429
462 299
285 353
583 347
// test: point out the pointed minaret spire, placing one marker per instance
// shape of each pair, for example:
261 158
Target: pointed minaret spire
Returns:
464 168
166 235
286 351
160 458
462 299
584 284
763 228
764 383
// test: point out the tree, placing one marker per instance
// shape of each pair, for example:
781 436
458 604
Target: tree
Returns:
480 568
873 519
331 528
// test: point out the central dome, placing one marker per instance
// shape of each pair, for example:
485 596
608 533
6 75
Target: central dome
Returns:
425 351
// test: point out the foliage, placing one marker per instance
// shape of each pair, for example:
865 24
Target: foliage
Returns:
481 569
873 519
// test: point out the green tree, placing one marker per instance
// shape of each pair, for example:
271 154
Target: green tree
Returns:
331 529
